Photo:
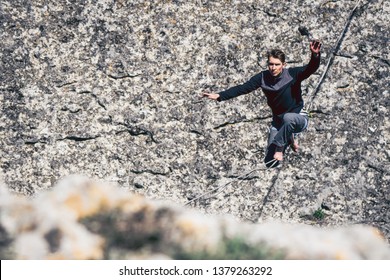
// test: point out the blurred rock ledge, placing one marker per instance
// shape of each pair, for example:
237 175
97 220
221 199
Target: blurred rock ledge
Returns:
84 219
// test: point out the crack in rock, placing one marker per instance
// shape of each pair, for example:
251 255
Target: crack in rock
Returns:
61 84
137 131
79 138
124 76
243 120
153 172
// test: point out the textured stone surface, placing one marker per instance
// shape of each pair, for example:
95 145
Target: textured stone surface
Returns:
110 89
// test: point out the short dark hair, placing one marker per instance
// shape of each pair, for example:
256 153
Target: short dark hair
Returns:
276 53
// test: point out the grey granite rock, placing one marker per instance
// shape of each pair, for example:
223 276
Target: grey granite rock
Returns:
110 89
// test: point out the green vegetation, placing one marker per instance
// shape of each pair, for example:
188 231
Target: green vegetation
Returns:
319 214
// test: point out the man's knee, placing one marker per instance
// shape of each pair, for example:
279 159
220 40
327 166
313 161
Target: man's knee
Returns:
290 118
295 121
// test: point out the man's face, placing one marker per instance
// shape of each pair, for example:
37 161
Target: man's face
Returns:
275 66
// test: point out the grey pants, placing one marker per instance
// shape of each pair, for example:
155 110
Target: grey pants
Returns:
293 123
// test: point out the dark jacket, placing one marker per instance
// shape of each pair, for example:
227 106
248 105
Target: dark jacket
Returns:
284 93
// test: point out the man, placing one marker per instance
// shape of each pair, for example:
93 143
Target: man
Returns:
282 88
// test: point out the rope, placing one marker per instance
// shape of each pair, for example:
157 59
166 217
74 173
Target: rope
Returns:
242 177
332 55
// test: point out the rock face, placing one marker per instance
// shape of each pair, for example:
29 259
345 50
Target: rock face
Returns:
82 219
110 89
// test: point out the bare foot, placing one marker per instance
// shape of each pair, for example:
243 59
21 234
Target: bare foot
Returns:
278 156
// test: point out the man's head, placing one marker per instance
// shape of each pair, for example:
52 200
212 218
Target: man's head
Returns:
276 62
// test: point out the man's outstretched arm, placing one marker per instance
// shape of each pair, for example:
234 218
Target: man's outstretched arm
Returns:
251 85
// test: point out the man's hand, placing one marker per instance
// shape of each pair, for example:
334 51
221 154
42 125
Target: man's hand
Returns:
315 46
213 96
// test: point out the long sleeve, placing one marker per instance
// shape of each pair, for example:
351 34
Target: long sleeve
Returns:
313 65
247 87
